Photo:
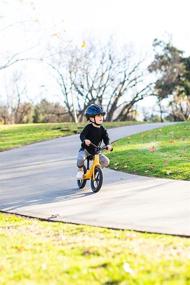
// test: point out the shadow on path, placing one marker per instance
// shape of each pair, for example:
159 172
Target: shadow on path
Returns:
51 197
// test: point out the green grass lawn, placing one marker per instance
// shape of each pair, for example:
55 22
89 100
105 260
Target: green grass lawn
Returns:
12 136
38 252
163 152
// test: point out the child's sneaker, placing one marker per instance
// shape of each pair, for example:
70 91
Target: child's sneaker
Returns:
79 175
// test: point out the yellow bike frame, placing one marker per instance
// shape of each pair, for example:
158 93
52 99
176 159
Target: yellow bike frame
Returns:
90 172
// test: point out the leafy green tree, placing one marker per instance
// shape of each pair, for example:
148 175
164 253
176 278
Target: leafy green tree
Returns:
173 72
49 112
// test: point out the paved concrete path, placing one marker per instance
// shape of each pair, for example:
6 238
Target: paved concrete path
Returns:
39 181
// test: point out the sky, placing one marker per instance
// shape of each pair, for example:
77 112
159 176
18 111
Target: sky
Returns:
135 21
26 25
138 21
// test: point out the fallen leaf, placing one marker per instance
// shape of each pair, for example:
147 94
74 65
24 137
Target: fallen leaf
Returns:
152 148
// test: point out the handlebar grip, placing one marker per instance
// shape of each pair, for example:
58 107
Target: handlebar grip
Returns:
110 149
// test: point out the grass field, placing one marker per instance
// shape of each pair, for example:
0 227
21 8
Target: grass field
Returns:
163 152
12 136
38 252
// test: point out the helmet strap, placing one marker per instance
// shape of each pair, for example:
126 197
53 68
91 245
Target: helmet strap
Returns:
96 124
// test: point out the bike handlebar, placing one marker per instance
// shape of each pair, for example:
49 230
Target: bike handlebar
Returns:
100 148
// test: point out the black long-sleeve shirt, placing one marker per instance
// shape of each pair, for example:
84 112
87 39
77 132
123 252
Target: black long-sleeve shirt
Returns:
95 135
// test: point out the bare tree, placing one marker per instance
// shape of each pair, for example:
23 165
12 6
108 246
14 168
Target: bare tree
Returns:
13 95
109 79
4 115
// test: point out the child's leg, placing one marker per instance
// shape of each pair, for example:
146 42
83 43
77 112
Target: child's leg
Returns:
80 162
104 160
81 158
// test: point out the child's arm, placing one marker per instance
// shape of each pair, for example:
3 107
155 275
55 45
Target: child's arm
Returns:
83 136
106 140
105 137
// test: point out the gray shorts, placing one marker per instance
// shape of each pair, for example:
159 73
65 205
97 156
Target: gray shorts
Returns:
82 155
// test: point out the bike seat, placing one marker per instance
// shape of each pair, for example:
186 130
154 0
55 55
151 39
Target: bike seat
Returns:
90 157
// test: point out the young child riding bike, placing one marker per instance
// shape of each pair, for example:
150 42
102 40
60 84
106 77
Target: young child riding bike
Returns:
93 133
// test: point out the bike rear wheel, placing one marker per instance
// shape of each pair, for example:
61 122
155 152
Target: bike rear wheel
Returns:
82 182
96 184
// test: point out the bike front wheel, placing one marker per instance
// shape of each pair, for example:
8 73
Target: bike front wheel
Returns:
96 183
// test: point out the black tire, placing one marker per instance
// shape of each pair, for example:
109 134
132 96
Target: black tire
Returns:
97 183
82 182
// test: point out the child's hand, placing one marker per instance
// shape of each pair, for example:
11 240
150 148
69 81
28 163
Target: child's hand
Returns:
87 142
109 147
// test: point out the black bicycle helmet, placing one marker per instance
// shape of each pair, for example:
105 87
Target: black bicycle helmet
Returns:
94 110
